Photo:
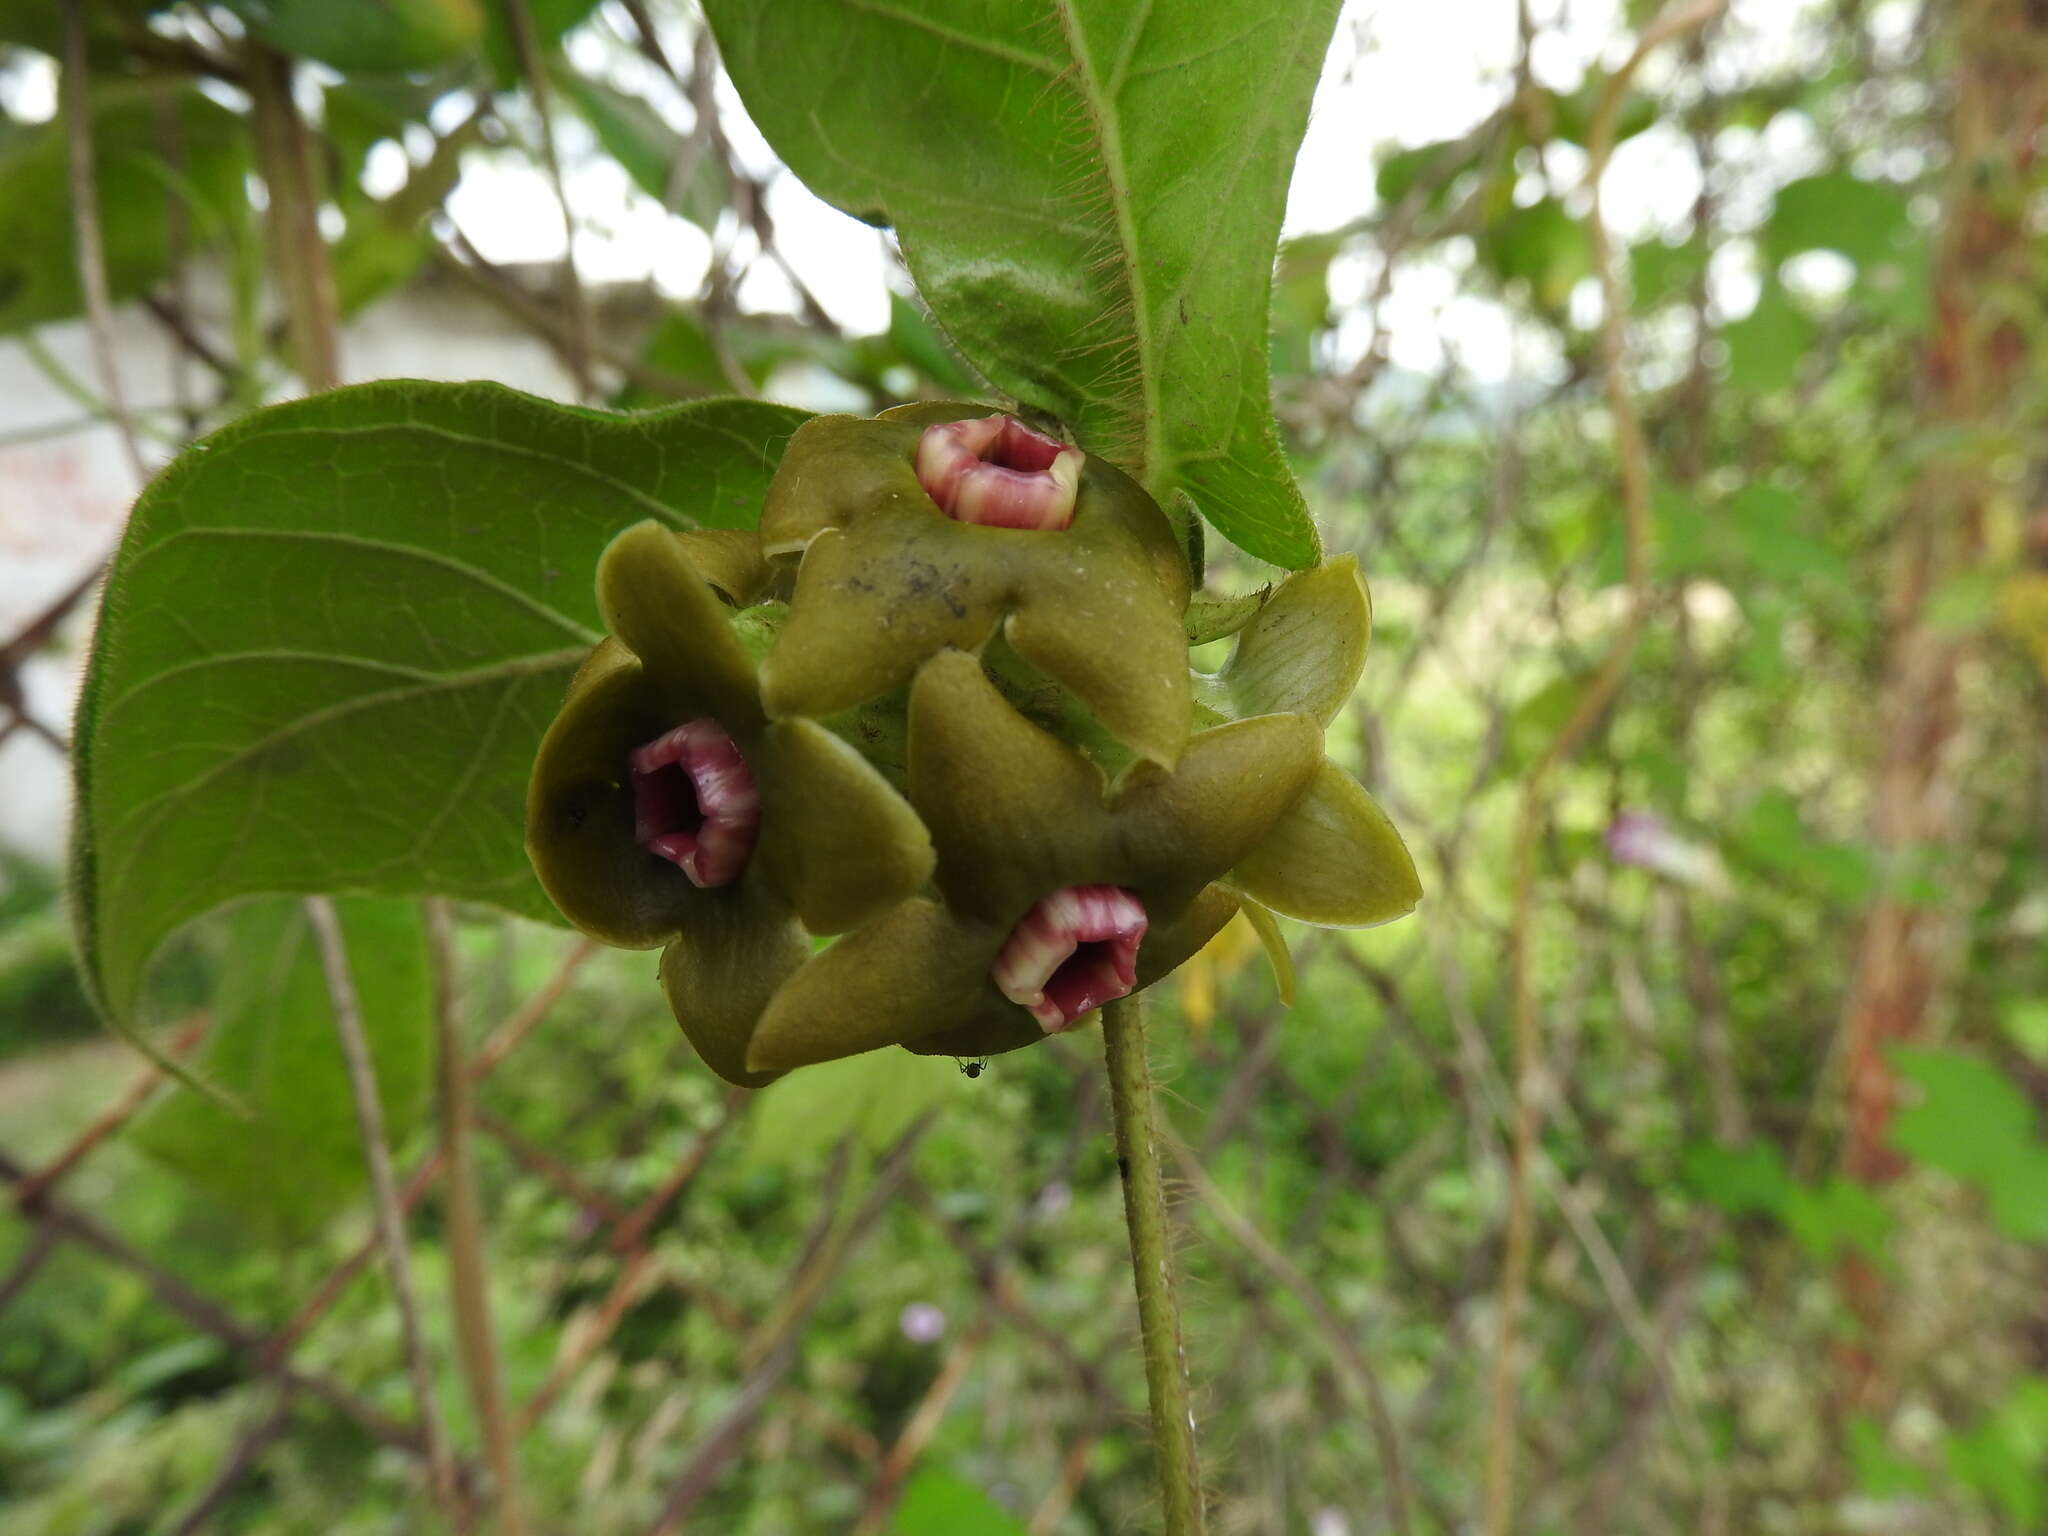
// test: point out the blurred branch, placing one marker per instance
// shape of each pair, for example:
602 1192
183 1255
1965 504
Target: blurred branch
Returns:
1593 701
581 338
830 1249
74 87
1332 1328
362 1082
468 1254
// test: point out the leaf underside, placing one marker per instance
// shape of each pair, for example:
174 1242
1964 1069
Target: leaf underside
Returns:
334 633
1088 193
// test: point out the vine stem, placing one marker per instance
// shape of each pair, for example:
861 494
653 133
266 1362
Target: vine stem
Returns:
1133 1110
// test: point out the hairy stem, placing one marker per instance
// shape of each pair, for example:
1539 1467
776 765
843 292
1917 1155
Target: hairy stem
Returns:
1166 1365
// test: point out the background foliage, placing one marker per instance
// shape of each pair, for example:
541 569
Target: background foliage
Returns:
1787 1271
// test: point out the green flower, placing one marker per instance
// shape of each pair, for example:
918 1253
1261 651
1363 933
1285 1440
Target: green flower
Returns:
889 576
1017 817
667 808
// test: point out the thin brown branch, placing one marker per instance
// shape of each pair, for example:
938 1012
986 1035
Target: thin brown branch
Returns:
468 1252
918 1429
1600 691
369 1108
777 1354
89 248
110 1119
533 75
1333 1329
199 1311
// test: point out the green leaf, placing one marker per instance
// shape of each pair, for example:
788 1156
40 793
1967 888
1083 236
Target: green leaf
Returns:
1863 220
335 631
1837 1216
2025 1023
1766 345
939 1504
1763 522
296 1160
388 37
1540 245
872 1097
1088 195
138 192
1975 1124
1742 1181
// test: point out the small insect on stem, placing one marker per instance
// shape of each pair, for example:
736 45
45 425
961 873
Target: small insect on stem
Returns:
972 1068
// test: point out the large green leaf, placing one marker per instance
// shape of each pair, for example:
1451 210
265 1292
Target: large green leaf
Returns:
294 1159
334 634
1088 193
157 149
375 36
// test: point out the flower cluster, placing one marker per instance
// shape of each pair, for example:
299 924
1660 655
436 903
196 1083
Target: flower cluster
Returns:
940 706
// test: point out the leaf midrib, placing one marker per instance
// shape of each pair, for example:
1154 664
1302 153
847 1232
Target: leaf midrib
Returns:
1153 472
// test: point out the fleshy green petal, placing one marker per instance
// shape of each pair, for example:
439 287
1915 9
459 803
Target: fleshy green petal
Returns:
1116 647
655 600
839 843
1278 956
1302 652
1234 783
721 971
1334 859
1169 946
579 809
1013 813
913 971
730 559
838 467
873 603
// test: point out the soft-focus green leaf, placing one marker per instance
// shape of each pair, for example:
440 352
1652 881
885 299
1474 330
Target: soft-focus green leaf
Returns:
1088 195
1974 1123
297 1160
1660 273
1540 245
335 631
1864 220
1832 1218
872 1097
2025 1022
1742 1181
384 37
1766 345
142 180
1762 521
939 1504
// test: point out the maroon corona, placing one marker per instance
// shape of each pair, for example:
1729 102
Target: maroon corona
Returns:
1075 950
694 802
998 472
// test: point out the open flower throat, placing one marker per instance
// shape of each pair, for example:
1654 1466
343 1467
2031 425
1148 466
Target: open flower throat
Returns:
694 802
998 472
1075 950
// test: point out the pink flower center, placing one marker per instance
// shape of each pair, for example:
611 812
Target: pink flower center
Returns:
694 802
1075 950
998 472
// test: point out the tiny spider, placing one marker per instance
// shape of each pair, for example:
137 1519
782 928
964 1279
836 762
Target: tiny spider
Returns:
973 1068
